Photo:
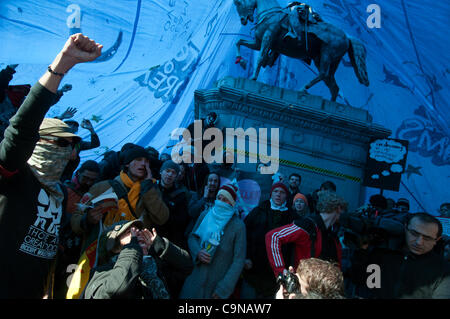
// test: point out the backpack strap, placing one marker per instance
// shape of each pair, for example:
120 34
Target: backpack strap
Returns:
121 193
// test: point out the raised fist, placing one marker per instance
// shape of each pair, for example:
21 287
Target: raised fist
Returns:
79 49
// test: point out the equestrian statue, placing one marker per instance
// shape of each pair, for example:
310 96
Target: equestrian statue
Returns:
297 31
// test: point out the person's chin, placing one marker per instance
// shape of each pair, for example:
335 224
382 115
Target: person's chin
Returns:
416 251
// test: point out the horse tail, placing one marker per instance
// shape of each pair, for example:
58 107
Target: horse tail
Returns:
357 54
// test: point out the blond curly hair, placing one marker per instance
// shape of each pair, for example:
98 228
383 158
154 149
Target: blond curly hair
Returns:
325 279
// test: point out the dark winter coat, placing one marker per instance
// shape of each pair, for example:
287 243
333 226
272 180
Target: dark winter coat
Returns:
404 275
258 222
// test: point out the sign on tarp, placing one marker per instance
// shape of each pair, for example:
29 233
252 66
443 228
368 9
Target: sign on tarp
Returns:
385 164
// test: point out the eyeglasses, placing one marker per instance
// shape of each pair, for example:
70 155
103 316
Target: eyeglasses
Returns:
416 234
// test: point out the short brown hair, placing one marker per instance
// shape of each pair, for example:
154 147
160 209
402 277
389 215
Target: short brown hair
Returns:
325 279
328 202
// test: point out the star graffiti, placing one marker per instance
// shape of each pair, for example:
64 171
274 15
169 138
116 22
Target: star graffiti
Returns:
96 118
413 170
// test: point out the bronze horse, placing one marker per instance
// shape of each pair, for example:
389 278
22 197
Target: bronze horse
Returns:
277 32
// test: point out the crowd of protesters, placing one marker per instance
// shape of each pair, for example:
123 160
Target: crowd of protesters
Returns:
148 227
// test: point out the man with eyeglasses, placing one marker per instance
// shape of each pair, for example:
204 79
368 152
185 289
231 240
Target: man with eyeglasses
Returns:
33 155
417 271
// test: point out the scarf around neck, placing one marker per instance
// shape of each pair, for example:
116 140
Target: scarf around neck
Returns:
215 221
123 212
281 208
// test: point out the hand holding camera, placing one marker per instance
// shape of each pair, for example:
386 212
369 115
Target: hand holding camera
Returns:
289 284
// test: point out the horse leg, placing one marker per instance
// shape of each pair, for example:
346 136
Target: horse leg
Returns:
263 52
253 45
324 69
332 86
330 81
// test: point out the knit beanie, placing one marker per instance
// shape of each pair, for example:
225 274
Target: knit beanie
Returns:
277 185
229 191
170 164
301 196
130 154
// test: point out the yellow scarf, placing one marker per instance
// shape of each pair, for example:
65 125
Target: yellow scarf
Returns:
123 212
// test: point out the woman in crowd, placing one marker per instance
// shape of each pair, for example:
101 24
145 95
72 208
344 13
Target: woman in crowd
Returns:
300 205
218 248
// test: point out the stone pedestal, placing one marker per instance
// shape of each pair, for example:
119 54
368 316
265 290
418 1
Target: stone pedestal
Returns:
318 139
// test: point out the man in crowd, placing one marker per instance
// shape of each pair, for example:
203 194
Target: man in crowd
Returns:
176 201
33 155
139 196
318 279
258 279
204 200
415 271
155 163
294 187
327 186
312 236
131 195
111 164
128 265
70 243
175 228
84 178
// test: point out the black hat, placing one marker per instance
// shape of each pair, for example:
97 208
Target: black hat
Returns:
130 154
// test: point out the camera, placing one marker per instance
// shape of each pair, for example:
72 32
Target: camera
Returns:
370 226
289 282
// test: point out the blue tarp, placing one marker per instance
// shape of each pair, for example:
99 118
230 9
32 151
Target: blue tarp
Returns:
157 53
